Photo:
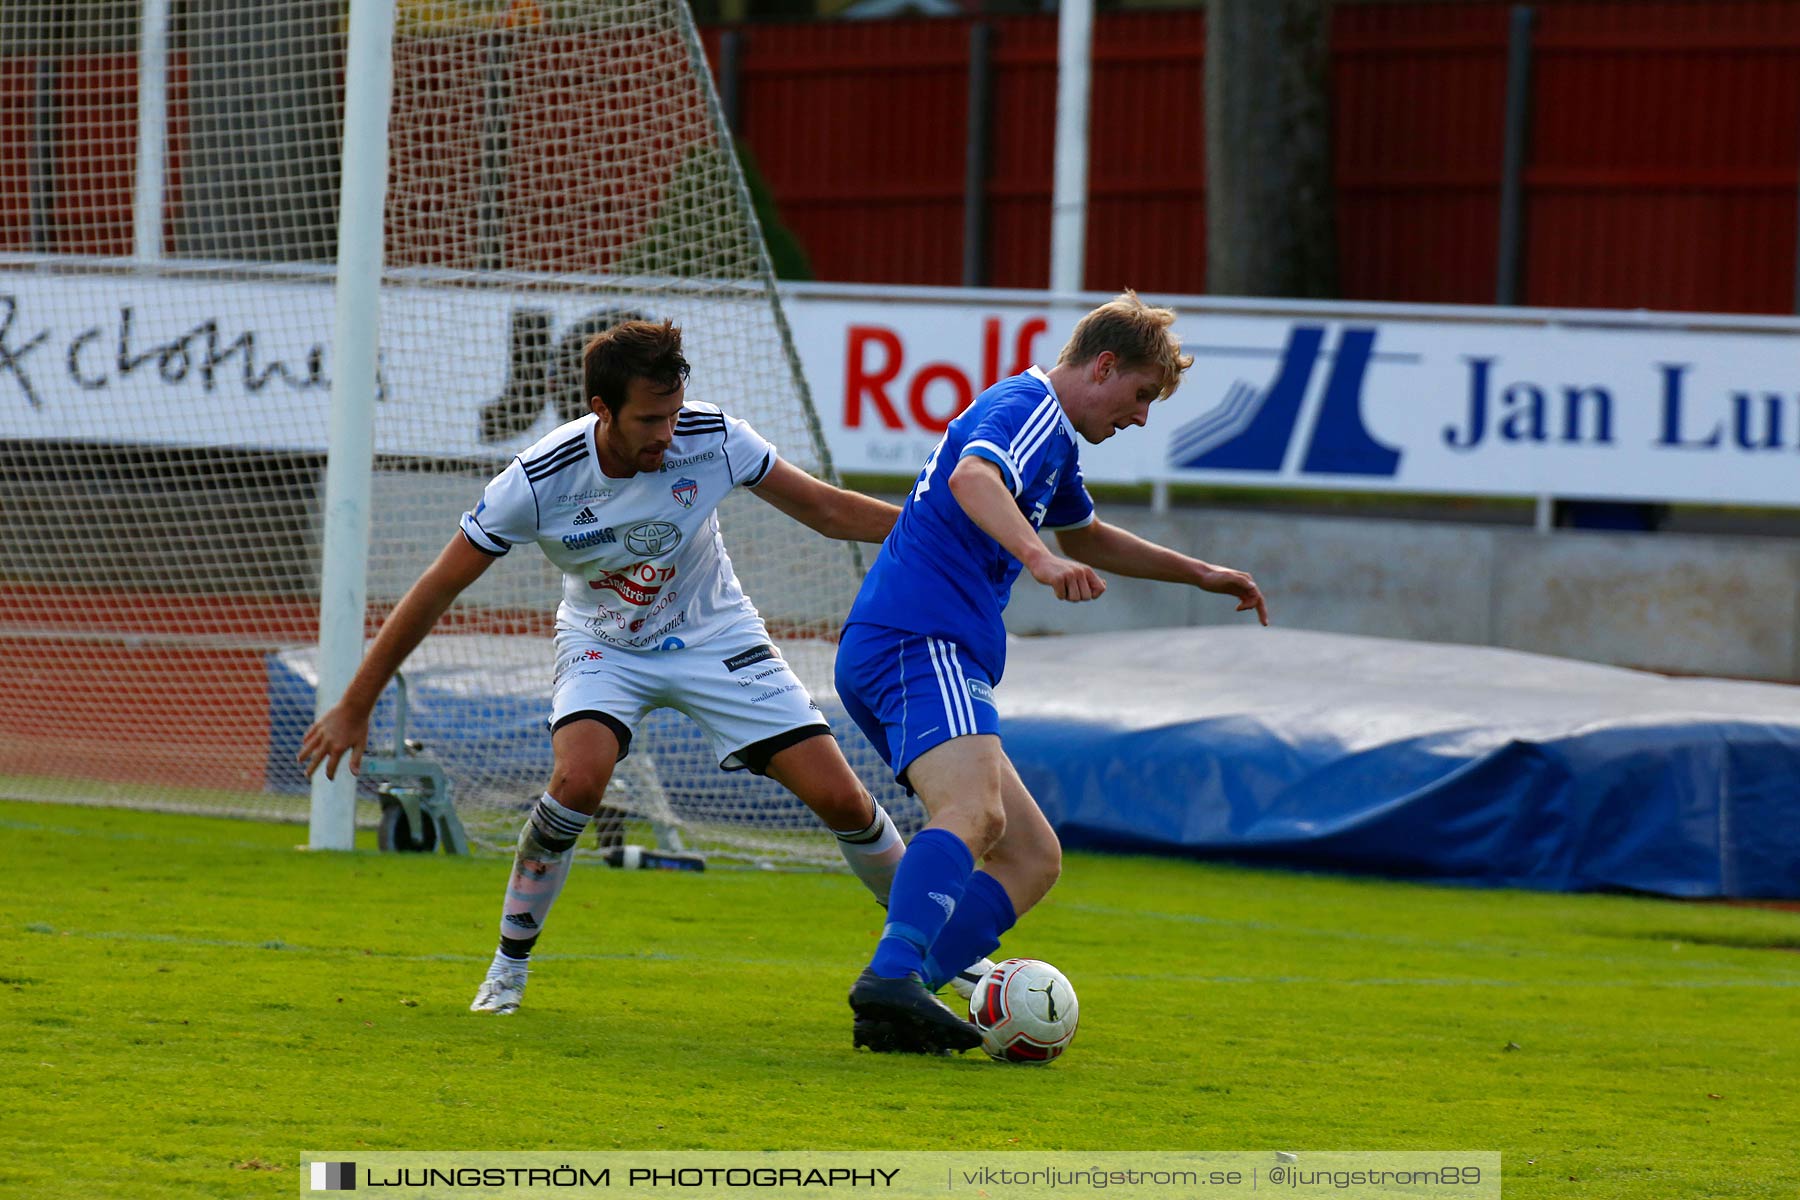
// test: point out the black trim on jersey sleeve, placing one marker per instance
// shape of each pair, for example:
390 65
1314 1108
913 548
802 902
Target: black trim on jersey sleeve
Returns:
764 465
768 464
482 548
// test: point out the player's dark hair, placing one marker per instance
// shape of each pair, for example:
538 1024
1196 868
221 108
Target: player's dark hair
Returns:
633 350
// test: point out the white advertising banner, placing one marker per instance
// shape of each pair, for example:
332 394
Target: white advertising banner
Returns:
464 373
1379 398
1336 396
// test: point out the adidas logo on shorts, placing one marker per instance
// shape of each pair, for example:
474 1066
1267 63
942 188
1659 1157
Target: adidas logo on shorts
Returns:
585 517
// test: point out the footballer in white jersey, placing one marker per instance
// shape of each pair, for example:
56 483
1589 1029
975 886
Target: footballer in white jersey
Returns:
642 559
624 502
645 573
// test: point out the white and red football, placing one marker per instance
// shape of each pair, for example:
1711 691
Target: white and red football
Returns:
1026 1011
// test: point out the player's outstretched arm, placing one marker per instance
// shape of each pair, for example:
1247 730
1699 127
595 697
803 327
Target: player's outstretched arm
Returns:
833 511
1124 553
979 488
345 725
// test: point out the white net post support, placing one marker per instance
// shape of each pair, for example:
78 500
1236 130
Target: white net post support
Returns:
350 459
152 132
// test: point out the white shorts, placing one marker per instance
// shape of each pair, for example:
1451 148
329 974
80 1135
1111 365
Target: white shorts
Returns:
741 692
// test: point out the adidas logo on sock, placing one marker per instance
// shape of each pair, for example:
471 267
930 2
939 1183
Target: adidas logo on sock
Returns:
523 920
944 902
585 517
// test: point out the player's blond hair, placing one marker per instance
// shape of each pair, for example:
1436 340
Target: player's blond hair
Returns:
1140 335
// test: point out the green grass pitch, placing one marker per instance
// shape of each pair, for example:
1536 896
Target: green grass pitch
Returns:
187 1003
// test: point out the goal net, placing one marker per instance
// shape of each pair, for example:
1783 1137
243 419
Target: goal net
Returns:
166 309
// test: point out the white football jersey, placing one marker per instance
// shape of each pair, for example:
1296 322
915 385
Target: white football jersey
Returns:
642 561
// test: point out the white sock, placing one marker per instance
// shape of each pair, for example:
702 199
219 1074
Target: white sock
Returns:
873 852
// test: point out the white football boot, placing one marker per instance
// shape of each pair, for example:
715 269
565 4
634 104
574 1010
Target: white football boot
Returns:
502 990
965 980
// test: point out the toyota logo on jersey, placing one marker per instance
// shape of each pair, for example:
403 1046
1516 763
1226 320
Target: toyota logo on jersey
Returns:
651 538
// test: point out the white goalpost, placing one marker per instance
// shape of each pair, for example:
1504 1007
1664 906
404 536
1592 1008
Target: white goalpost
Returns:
277 296
343 574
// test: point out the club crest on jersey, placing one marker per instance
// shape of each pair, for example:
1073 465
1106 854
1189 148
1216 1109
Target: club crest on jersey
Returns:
684 490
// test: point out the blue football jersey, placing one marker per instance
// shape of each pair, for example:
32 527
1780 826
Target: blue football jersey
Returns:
938 574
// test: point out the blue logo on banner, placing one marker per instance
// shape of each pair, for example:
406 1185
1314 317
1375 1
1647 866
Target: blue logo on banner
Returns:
1252 429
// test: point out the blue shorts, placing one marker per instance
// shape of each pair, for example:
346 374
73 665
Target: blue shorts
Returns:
908 692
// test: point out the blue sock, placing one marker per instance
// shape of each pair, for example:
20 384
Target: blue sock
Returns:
926 889
973 933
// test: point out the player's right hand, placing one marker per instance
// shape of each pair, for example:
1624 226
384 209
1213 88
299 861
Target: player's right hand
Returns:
1071 581
329 737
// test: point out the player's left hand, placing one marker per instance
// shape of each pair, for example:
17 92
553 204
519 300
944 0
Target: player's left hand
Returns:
330 737
1227 582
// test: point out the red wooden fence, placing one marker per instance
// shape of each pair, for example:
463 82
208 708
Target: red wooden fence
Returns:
1666 145
1663 174
1664 163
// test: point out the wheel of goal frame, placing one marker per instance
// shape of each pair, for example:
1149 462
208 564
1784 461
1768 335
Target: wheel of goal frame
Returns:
394 832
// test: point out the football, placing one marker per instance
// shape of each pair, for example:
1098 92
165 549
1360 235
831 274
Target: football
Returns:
1026 1011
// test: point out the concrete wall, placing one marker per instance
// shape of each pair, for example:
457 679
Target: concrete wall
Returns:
1707 605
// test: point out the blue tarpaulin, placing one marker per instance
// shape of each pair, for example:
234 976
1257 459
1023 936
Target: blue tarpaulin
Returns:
1440 762
1461 763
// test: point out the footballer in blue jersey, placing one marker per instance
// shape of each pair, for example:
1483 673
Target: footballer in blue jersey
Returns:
924 645
939 574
